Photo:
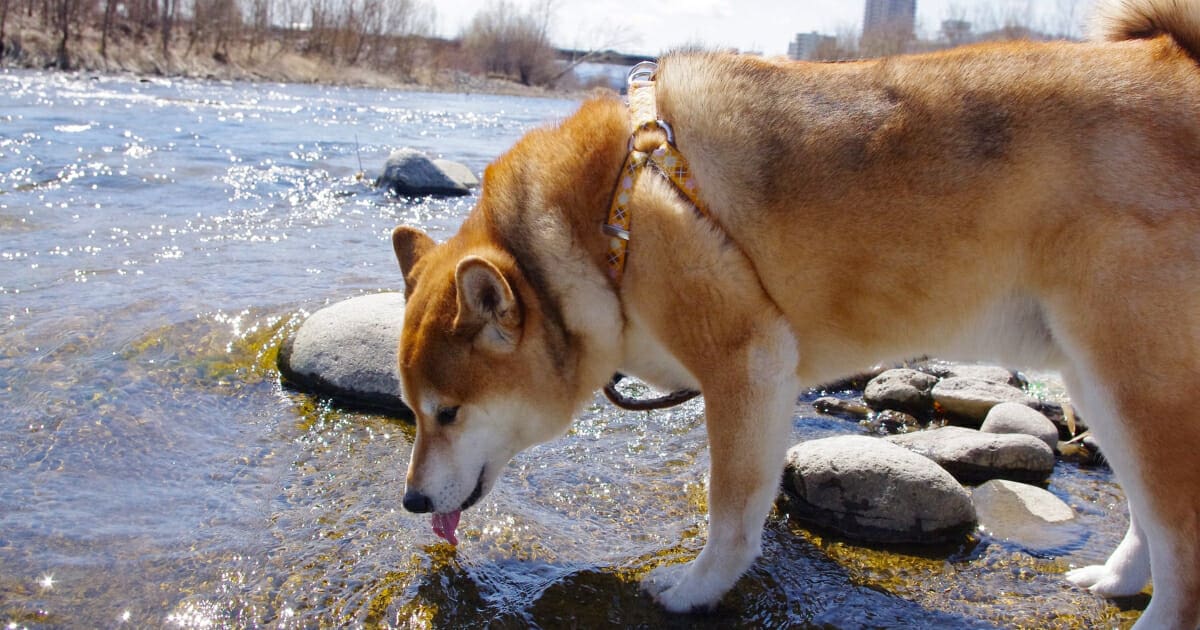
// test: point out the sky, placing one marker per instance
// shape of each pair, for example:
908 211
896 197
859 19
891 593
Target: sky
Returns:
653 26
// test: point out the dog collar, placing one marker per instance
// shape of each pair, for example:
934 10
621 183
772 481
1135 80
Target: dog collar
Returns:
645 149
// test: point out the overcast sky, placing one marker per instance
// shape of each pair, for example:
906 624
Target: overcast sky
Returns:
652 26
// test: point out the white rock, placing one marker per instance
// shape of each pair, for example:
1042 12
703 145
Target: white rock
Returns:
1018 418
1025 515
972 398
973 456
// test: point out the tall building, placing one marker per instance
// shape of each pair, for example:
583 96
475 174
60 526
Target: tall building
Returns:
890 18
807 46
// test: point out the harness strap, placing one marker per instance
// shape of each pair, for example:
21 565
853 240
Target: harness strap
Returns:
651 142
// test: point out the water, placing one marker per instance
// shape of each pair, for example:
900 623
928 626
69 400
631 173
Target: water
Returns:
159 240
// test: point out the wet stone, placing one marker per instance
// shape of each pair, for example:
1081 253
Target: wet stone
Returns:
849 409
411 173
868 489
901 389
890 421
349 350
973 456
1025 515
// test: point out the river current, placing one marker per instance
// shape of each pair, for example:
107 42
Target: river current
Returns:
159 238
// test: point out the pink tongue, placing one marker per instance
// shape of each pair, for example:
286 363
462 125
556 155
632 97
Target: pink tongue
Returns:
445 524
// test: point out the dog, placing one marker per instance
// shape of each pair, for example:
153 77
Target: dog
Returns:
1033 203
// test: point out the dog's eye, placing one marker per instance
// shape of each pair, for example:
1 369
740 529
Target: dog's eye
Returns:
447 415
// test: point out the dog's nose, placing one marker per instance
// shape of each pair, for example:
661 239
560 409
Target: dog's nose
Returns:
416 502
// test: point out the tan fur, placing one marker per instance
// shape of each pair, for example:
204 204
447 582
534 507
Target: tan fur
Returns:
1031 203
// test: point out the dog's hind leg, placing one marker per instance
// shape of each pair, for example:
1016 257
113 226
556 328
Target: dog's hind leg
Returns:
1138 396
748 415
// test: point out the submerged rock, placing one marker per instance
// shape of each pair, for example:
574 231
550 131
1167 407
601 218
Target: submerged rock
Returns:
348 350
1018 418
901 389
1026 515
972 456
411 173
871 490
970 399
849 409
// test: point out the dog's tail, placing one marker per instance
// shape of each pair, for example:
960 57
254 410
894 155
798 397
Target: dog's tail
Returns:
1118 20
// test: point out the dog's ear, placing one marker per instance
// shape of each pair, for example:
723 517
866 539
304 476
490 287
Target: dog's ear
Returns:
487 306
410 245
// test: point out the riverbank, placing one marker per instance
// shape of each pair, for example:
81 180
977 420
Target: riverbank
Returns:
28 44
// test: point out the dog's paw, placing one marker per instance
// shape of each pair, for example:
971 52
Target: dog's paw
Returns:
673 587
1105 582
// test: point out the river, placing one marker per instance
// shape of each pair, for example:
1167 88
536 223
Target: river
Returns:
160 237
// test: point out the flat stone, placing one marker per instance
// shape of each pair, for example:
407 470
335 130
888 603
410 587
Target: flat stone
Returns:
970 399
349 351
973 456
1025 515
951 369
411 173
901 389
868 489
1018 418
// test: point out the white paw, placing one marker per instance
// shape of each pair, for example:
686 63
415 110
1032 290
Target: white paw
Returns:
674 588
1105 582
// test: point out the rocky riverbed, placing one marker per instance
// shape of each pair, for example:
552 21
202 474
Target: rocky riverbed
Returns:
947 454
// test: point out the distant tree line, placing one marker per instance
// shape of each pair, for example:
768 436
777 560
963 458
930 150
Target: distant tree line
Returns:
502 40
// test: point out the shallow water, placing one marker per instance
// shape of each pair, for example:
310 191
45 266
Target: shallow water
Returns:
160 238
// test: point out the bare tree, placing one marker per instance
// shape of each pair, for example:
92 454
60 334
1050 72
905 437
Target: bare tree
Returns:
512 43
3 23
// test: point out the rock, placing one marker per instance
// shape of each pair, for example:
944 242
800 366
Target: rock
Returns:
1054 411
408 172
1018 418
900 389
1025 515
458 172
949 369
972 456
891 421
970 399
348 350
849 409
856 382
868 489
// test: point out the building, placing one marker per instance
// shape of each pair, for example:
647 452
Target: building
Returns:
892 19
807 46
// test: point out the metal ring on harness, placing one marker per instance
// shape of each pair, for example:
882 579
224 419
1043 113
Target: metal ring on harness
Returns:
649 404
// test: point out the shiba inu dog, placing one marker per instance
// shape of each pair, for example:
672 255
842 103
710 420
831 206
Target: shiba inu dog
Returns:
1034 203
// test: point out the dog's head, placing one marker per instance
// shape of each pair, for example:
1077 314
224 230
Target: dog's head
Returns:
476 369
486 361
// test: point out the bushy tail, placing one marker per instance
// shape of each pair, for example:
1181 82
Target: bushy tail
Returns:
1118 20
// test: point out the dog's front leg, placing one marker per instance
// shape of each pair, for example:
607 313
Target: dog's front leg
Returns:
748 414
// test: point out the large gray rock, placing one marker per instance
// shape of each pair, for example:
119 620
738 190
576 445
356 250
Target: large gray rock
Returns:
1018 418
409 172
348 350
869 489
972 456
969 399
901 389
1025 515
